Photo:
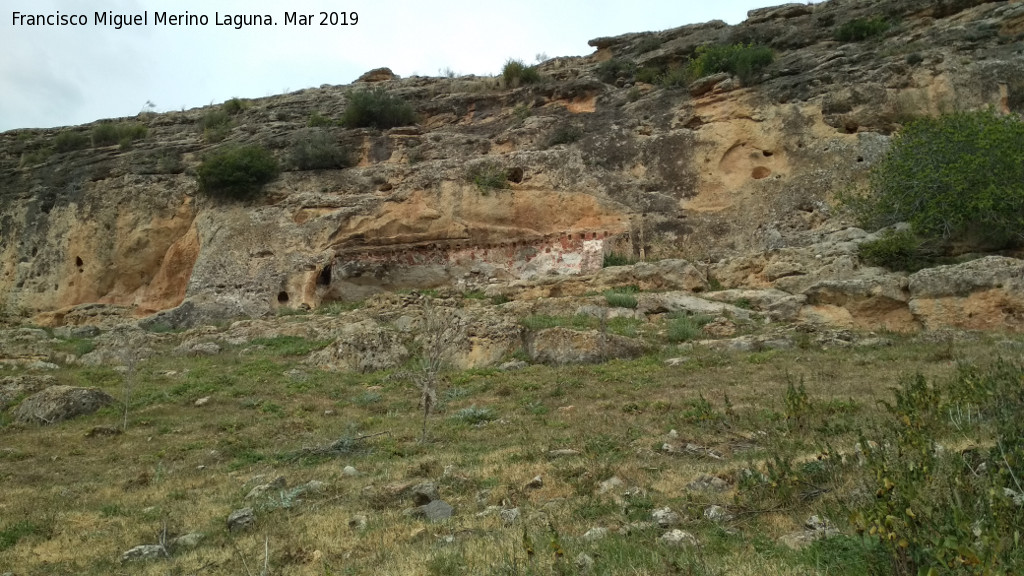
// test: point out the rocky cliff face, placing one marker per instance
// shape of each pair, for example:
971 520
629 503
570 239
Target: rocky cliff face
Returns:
738 177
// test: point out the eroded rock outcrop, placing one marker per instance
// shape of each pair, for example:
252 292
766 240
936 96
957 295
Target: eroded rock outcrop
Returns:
739 176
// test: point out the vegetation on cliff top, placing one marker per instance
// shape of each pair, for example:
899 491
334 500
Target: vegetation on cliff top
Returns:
377 108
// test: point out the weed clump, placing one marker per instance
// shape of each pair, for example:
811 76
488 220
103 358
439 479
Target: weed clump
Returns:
487 176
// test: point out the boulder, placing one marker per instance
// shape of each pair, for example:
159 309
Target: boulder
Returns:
13 387
563 346
377 75
58 403
984 294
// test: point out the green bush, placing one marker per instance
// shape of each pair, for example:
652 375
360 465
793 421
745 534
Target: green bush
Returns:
234 106
860 29
566 134
611 70
649 74
237 172
376 108
515 73
216 125
318 150
108 133
70 141
958 177
614 259
896 250
943 511
317 120
487 176
743 60
676 78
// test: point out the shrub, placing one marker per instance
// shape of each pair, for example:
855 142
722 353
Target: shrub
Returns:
487 176
237 172
649 74
860 29
317 120
743 60
216 125
675 78
516 73
956 177
104 134
234 106
566 134
376 108
611 70
318 150
613 259
896 250
648 44
125 133
70 141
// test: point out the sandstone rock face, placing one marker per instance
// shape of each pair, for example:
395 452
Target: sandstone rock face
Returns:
984 294
737 176
58 403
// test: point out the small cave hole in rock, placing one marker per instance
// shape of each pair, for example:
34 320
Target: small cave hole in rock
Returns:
324 278
767 153
34 251
860 158
515 175
282 297
78 261
760 172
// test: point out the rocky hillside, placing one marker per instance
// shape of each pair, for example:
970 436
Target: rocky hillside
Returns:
734 175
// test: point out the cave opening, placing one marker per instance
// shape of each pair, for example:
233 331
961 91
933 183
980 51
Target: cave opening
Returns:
324 278
282 297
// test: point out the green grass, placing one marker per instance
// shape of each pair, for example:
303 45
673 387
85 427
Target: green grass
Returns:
289 345
621 298
683 327
272 414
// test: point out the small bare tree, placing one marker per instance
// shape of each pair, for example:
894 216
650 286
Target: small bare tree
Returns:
440 332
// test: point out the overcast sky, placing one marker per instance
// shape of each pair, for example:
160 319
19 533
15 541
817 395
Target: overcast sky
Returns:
64 75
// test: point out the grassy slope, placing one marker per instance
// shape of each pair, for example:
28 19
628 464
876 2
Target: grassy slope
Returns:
82 501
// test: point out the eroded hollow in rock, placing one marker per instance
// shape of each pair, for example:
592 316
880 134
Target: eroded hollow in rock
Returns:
760 172
78 261
282 297
515 175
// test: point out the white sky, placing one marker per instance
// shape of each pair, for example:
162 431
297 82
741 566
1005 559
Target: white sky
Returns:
54 76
